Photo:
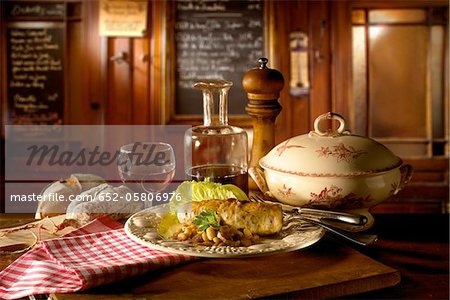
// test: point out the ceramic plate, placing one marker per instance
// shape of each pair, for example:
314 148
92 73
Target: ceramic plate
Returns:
294 236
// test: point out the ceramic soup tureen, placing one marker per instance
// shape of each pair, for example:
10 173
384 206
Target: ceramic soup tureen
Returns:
331 170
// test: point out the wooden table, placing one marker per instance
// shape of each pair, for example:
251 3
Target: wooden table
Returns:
415 245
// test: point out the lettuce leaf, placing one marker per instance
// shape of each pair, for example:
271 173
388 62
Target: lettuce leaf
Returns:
189 191
168 225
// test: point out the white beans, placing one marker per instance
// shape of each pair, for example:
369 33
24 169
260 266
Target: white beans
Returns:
205 236
211 233
220 236
224 236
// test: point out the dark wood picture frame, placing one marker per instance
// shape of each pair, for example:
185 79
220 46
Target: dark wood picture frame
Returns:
167 64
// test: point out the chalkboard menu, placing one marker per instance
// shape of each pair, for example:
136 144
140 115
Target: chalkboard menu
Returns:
35 81
216 40
16 9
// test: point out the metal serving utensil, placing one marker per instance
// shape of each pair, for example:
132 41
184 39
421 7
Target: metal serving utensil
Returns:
357 238
319 217
354 219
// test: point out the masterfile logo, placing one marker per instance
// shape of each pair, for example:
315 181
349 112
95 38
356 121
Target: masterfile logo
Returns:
37 156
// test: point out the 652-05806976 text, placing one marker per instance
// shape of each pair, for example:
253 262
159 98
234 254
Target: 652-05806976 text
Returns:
109 197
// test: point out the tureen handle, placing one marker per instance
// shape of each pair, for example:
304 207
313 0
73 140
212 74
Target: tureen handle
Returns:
330 116
406 172
258 177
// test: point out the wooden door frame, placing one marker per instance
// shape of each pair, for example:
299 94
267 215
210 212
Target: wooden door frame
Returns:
342 95
432 174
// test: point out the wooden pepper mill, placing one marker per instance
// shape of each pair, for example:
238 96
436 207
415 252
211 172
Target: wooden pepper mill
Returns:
263 86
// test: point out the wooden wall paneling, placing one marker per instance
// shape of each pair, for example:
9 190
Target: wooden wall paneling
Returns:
152 60
294 118
92 64
128 79
397 3
66 71
312 17
341 51
140 83
427 166
3 70
426 193
119 104
300 106
281 27
143 109
320 98
446 91
169 58
271 33
74 81
3 107
158 97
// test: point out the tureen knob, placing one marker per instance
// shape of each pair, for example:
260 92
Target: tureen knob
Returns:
330 116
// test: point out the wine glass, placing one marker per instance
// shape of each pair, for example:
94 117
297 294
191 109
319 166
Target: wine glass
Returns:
146 167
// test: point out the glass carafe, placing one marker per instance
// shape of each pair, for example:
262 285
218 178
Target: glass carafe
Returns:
216 150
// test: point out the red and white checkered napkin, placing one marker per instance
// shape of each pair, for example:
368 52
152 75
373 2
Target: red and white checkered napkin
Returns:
95 254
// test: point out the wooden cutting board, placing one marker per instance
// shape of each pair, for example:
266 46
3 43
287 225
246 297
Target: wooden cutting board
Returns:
327 269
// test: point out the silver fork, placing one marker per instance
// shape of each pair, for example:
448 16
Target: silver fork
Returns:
354 219
357 238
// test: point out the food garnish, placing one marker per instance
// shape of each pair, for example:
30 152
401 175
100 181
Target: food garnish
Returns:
206 219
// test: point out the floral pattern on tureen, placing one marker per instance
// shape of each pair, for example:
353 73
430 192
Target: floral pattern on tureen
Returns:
331 197
286 191
341 152
284 147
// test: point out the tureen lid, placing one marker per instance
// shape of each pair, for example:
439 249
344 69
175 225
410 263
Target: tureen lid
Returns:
330 153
